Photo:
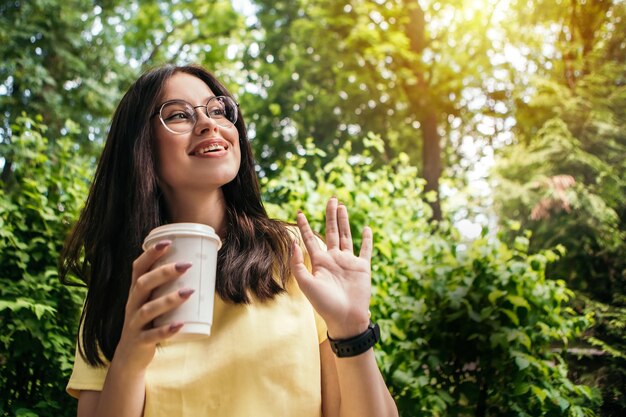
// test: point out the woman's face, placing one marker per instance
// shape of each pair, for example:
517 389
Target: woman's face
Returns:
203 159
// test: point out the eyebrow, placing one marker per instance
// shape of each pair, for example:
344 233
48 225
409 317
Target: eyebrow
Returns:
206 100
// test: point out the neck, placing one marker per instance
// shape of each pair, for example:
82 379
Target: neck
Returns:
189 207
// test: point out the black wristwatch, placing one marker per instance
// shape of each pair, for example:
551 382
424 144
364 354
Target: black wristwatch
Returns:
356 345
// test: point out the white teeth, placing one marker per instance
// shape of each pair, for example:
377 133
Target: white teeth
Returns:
210 148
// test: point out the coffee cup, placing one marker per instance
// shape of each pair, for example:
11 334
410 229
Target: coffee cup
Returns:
198 244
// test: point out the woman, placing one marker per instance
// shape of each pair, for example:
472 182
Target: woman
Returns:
177 152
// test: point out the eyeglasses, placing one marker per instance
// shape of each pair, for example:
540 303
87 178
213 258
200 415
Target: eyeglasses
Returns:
180 117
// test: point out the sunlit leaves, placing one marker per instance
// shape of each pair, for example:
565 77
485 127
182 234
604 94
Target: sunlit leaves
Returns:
565 177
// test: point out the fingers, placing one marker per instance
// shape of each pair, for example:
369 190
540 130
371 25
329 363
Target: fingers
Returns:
366 244
345 236
157 307
308 237
338 234
144 285
332 229
298 269
159 334
144 262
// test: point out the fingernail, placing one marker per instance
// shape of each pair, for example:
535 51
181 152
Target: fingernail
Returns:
182 266
162 244
176 326
186 292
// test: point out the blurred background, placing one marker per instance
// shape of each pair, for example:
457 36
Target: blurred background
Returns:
483 141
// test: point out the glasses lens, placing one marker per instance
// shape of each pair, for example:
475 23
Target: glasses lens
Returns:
178 116
223 110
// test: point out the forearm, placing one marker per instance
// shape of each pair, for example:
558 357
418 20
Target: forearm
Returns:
353 386
123 394
362 388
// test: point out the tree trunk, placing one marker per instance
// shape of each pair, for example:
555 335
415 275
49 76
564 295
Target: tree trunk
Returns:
418 95
7 174
431 158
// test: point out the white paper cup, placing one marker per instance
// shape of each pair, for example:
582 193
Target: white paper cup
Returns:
198 244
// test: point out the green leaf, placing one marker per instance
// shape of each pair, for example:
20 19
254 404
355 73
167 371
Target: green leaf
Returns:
521 363
539 393
512 316
494 295
518 301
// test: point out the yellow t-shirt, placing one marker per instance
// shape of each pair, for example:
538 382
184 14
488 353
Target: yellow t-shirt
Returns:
261 359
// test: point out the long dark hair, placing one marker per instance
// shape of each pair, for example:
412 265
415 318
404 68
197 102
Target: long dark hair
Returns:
125 203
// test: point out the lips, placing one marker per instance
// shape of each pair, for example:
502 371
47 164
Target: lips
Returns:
209 146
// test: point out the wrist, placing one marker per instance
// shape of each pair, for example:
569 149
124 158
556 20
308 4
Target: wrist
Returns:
128 362
348 328
127 368
356 345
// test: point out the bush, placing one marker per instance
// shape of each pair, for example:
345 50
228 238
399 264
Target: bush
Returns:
468 329
38 315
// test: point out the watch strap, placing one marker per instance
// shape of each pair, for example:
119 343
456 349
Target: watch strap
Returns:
356 345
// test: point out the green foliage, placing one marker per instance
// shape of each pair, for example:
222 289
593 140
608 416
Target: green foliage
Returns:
565 180
465 328
180 32
334 70
72 59
58 60
38 315
468 329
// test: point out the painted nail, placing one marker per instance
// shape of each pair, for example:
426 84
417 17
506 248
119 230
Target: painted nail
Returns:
174 327
186 292
162 244
182 266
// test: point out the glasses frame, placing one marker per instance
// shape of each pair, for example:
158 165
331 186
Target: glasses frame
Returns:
195 117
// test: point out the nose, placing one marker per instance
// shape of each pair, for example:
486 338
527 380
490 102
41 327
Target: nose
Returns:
203 121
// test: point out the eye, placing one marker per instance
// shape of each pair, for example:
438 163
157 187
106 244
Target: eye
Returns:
175 116
217 111
177 112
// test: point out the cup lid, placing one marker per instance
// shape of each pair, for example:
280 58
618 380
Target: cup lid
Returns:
181 229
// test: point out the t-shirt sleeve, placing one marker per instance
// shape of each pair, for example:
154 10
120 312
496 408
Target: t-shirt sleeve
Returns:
85 377
320 324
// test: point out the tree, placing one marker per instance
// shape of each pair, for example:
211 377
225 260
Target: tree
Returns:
333 71
564 180
188 31
52 64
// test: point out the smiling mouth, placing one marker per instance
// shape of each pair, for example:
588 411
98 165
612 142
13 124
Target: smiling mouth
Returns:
209 149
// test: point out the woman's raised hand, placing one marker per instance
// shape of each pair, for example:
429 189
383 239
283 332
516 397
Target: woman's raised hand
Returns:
339 285
139 339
